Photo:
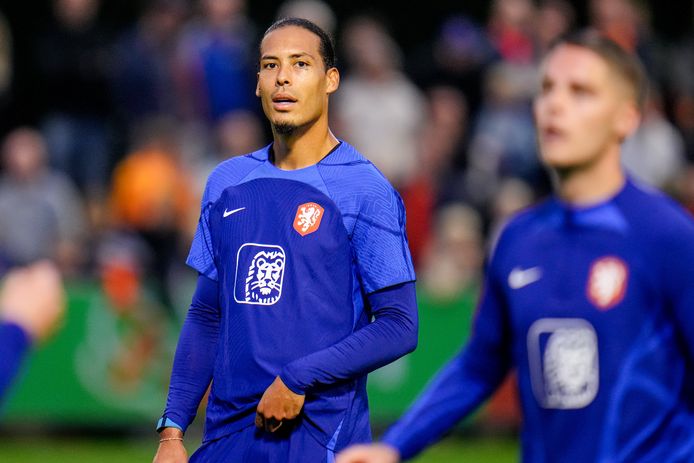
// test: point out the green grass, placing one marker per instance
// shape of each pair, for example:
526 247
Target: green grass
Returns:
41 449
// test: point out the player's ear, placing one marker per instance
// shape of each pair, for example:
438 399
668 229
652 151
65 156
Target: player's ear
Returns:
629 120
332 77
257 84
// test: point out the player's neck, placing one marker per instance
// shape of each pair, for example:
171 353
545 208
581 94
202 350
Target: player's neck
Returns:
591 184
303 147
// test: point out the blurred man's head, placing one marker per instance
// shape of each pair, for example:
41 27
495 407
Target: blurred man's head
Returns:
589 102
24 153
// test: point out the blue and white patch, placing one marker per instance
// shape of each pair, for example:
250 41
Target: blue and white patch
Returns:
259 274
563 357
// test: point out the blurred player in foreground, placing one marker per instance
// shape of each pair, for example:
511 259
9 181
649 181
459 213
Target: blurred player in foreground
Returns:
589 294
299 244
32 303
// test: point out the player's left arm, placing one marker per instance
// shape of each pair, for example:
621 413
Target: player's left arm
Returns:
392 334
677 269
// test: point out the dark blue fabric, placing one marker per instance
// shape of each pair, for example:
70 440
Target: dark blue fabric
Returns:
14 344
595 308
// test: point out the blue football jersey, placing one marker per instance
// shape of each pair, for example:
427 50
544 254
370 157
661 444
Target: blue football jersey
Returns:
295 254
595 309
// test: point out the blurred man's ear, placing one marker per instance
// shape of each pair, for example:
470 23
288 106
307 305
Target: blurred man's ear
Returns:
628 120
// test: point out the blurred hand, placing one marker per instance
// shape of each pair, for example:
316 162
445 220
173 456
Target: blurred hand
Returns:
33 297
171 451
374 453
278 404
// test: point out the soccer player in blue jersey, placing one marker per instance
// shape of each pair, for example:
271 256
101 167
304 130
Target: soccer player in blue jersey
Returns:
32 303
305 280
589 295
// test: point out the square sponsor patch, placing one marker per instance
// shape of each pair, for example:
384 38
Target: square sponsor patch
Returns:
259 274
563 358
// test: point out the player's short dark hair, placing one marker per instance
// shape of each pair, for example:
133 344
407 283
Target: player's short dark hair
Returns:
327 46
624 63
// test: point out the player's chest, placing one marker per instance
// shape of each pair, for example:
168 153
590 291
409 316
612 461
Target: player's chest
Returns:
599 278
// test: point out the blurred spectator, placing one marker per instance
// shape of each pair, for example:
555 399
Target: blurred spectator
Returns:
218 61
41 213
441 151
684 118
656 152
32 302
458 56
237 133
554 18
152 195
453 263
510 29
145 66
6 69
511 196
134 315
316 11
73 63
378 108
503 139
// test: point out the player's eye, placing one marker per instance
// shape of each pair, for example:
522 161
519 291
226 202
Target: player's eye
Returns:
269 65
302 64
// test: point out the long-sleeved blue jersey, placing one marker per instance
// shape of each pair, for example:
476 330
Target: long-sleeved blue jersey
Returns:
14 344
595 309
299 261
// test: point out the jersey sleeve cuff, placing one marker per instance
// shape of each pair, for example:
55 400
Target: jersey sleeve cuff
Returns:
290 381
166 422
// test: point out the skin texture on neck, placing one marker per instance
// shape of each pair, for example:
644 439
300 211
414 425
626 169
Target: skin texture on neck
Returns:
591 184
304 147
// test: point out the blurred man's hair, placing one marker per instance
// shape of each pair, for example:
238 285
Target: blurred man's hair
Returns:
327 46
623 62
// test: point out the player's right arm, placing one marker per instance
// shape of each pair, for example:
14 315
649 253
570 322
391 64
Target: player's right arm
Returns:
458 389
192 370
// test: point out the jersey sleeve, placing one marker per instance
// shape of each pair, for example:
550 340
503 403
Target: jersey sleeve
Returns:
462 384
201 255
14 345
677 266
392 334
380 242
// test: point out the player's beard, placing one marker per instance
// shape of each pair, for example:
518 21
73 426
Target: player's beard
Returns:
284 128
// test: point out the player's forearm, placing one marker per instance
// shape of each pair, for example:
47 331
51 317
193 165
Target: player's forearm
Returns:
14 344
195 355
455 391
392 335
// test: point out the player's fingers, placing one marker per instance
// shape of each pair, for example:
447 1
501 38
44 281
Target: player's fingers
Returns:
259 421
272 425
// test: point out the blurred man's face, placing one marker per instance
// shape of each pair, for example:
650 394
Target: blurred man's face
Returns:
584 109
293 84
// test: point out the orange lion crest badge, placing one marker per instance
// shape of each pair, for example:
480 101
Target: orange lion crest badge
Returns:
308 217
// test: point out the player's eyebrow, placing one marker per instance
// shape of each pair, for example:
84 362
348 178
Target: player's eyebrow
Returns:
292 56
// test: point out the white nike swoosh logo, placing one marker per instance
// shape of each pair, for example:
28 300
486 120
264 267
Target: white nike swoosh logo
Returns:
519 278
228 213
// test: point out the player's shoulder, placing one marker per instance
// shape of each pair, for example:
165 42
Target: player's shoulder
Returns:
655 214
232 171
347 171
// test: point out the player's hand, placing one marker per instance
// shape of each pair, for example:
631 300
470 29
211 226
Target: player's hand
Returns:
277 405
171 451
374 453
33 298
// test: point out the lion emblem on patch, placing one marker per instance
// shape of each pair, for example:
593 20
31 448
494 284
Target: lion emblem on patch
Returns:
308 218
261 282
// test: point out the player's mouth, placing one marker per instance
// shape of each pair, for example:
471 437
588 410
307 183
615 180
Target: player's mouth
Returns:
283 101
552 133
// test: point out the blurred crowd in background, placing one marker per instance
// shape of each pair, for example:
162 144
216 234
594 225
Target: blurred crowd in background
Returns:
108 179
